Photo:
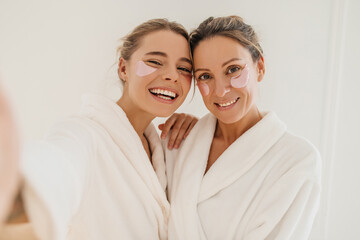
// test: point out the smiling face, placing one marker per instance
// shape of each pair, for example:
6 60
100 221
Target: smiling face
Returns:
227 78
158 74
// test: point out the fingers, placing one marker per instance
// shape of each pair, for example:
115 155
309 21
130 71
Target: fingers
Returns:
177 129
168 125
192 124
8 158
183 129
180 126
161 126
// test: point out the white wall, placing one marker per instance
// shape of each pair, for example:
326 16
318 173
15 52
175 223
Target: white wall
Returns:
343 156
51 52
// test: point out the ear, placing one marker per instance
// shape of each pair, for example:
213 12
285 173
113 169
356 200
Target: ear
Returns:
261 68
122 70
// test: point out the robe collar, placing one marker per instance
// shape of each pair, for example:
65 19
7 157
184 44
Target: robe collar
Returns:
111 117
242 154
189 184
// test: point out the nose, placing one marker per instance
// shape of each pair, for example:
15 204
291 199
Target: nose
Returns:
171 74
221 87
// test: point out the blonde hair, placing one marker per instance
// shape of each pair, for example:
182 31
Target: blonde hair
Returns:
131 42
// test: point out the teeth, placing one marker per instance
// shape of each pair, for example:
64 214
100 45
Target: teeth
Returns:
228 103
163 92
164 97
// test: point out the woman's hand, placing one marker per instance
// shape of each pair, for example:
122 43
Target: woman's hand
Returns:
9 154
180 125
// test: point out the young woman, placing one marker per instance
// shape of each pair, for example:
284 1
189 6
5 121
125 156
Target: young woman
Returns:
101 174
240 174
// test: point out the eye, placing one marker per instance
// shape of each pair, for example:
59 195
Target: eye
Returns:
233 69
154 62
204 77
184 69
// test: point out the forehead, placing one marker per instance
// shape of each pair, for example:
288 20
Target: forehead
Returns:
217 50
173 44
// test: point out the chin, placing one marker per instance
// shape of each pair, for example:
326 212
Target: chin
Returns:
164 114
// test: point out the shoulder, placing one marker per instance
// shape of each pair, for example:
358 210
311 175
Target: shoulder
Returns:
76 127
299 155
205 123
72 138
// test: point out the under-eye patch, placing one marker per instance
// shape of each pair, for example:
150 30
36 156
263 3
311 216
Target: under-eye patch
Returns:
204 88
142 69
241 80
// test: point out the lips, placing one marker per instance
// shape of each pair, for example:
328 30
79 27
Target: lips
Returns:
227 104
164 94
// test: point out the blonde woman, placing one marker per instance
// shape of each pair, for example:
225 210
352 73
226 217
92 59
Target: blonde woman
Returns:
101 173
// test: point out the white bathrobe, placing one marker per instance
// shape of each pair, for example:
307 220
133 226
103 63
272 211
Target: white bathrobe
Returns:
266 185
92 179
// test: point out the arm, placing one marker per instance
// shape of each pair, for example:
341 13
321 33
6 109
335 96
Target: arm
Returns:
180 126
17 226
54 172
9 177
288 208
287 217
18 213
9 180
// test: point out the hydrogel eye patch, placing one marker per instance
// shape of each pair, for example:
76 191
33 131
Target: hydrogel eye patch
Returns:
241 80
142 69
204 89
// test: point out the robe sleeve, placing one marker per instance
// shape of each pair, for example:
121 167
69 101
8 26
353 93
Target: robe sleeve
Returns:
288 208
54 172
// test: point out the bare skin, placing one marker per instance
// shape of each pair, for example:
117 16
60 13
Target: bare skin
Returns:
167 52
11 208
9 177
226 134
216 61
180 125
18 214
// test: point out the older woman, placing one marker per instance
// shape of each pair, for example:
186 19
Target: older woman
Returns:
239 174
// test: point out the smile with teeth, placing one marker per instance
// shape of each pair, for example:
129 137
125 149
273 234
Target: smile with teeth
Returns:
164 94
228 103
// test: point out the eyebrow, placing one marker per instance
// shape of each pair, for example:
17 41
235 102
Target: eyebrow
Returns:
186 60
229 61
165 55
157 53
202 69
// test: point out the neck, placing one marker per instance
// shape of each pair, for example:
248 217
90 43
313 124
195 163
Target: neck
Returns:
138 118
230 132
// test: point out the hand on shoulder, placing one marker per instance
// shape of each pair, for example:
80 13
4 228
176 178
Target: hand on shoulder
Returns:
180 125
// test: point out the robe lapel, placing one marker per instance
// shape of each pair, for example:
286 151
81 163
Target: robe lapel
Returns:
108 114
241 155
158 157
190 164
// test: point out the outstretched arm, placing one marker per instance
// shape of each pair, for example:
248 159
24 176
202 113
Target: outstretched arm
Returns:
12 212
9 151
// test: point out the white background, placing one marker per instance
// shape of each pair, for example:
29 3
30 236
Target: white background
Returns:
51 52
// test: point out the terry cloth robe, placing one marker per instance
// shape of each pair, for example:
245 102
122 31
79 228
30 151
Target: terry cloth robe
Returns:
92 179
266 185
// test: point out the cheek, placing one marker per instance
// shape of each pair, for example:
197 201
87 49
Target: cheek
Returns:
242 80
204 89
143 70
186 78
